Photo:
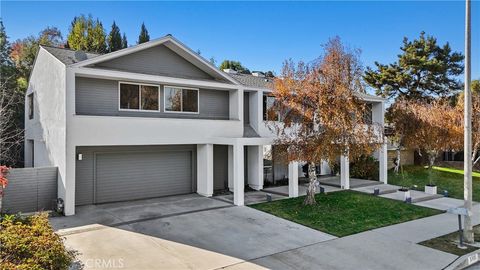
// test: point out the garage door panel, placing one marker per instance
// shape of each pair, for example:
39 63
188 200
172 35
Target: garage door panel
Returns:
130 175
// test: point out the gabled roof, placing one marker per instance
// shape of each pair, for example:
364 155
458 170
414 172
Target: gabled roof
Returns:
66 56
252 81
170 42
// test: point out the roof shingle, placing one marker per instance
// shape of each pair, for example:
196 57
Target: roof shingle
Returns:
66 56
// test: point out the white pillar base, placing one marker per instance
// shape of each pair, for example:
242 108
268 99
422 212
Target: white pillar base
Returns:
344 172
205 169
293 179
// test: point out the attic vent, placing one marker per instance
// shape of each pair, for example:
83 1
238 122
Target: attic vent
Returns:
258 74
80 56
230 71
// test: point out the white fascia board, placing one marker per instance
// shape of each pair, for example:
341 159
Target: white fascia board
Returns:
209 65
122 75
151 44
119 53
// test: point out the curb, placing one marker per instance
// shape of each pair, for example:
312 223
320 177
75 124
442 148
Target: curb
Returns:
464 261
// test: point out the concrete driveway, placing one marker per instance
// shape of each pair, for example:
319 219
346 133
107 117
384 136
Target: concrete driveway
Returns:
181 232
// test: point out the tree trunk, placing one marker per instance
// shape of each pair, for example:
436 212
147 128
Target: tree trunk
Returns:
431 161
397 164
312 175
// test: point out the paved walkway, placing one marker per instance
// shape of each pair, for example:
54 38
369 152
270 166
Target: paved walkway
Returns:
392 247
185 232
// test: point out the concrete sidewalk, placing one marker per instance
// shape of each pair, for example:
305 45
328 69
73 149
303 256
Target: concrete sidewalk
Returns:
391 247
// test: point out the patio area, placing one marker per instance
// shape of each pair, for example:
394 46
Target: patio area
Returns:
334 181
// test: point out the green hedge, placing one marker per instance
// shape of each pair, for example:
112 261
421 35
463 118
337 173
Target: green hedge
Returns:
31 243
365 168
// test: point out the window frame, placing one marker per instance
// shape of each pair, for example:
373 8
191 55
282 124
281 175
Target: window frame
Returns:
139 97
31 106
181 102
265 109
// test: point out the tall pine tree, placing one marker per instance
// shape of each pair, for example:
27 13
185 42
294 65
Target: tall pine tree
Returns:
87 34
143 37
423 70
124 41
114 39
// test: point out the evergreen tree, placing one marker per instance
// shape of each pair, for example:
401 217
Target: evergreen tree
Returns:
143 37
235 65
96 37
87 34
124 41
114 39
423 70
11 106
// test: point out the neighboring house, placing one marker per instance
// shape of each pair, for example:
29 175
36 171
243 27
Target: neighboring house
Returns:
152 120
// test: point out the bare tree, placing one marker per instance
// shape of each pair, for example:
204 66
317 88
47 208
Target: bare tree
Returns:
11 135
321 113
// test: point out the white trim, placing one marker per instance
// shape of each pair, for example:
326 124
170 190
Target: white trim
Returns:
149 44
181 100
122 75
139 97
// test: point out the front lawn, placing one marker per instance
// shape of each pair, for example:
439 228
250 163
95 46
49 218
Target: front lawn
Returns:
345 212
445 178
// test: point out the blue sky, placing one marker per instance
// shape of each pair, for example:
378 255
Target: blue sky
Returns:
262 35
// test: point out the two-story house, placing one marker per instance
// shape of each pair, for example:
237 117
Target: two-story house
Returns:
152 120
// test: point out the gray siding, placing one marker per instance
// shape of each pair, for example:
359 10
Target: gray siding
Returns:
100 97
118 173
220 167
30 190
158 60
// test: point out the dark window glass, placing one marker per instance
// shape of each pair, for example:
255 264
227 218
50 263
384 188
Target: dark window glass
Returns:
129 96
149 96
190 100
270 113
30 106
368 115
173 99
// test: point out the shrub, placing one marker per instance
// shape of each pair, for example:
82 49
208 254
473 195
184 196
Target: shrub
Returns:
365 168
31 243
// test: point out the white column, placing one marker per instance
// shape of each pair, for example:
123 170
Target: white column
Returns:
344 172
205 169
255 166
293 179
383 163
238 175
230 168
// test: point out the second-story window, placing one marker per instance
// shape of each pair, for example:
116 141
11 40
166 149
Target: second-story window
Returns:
30 106
178 99
368 114
141 97
270 113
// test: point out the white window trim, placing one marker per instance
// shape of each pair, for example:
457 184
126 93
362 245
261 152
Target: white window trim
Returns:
181 101
139 97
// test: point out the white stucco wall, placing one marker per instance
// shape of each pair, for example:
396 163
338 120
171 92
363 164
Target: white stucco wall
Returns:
48 127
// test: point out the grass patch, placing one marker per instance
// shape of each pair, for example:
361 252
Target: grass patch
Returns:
345 212
444 178
448 243
453 170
